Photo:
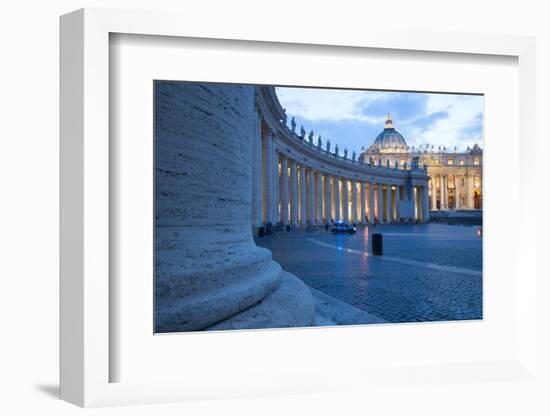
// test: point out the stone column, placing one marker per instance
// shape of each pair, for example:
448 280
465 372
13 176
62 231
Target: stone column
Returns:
388 204
268 178
328 198
418 202
209 274
451 181
276 205
336 184
425 204
447 180
380 203
466 191
408 196
397 203
480 191
303 200
416 206
470 191
363 202
284 190
458 192
257 172
311 196
345 200
434 193
440 181
319 198
445 193
371 203
395 196
293 193
353 217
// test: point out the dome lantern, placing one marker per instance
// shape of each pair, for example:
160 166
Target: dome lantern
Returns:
389 123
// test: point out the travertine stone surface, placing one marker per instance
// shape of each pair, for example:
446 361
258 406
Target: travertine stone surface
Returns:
208 267
289 305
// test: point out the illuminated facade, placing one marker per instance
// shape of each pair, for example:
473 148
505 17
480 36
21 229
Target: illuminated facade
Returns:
301 181
455 177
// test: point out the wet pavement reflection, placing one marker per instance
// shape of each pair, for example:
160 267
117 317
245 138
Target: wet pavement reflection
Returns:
429 272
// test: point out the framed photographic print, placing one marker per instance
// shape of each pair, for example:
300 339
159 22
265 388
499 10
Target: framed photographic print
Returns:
323 212
277 214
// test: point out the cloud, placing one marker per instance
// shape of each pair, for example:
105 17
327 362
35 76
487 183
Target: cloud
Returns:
473 129
427 122
354 118
402 106
462 127
316 104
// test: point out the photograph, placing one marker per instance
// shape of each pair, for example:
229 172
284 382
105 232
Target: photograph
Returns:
293 207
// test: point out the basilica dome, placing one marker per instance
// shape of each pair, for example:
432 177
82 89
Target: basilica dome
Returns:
390 140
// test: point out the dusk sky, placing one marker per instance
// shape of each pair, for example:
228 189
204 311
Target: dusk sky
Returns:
353 119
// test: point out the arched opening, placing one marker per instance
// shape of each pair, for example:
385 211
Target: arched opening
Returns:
477 200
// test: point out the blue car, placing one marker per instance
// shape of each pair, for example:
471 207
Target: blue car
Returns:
343 228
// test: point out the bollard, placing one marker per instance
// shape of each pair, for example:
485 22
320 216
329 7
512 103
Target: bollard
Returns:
377 244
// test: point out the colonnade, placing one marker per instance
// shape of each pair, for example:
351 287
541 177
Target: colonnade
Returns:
297 194
296 182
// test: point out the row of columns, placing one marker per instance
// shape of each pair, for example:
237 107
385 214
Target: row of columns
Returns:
285 190
464 191
309 196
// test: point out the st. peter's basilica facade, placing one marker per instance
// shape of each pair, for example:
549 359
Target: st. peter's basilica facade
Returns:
455 177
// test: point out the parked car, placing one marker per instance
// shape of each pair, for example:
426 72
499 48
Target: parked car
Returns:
343 228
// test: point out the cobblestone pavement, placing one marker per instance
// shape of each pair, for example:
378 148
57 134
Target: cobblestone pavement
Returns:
428 272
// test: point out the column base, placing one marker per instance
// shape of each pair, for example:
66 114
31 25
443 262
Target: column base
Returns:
290 305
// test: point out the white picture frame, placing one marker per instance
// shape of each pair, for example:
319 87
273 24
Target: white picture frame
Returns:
85 164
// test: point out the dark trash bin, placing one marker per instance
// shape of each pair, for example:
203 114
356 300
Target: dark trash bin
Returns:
377 244
288 227
261 231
